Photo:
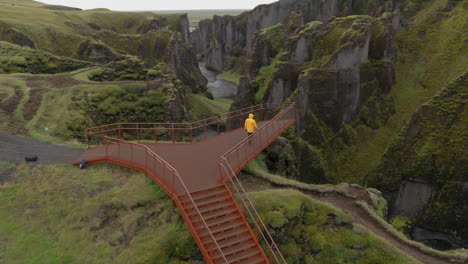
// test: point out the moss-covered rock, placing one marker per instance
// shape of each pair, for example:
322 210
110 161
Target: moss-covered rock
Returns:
432 149
16 59
308 231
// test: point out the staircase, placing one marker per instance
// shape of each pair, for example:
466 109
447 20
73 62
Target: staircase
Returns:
227 224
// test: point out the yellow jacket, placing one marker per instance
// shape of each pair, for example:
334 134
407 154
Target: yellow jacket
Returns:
250 124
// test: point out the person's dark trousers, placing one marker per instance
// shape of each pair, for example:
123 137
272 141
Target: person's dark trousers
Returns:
249 134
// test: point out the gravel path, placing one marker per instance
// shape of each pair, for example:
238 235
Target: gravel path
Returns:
361 216
15 148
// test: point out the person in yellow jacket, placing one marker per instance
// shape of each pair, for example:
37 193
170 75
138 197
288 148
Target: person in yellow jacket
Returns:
250 125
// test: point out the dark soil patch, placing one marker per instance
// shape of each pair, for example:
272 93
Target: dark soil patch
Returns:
33 103
3 95
54 81
10 106
6 176
62 81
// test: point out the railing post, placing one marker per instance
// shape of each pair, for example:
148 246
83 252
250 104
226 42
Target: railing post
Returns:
87 138
206 128
173 139
155 134
119 127
146 159
138 133
107 154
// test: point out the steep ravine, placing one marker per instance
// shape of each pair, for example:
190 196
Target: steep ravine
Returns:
218 87
359 71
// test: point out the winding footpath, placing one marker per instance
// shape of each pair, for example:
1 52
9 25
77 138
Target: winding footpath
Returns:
350 198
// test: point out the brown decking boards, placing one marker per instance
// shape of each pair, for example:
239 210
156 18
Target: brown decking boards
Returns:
197 163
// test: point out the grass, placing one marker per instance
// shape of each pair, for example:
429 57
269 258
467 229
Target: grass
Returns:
104 214
62 32
82 74
420 74
231 76
301 226
264 79
202 107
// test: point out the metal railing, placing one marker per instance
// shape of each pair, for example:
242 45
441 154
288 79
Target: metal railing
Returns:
137 156
140 157
180 132
235 159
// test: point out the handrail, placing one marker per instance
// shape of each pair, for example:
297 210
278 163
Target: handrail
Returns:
254 215
225 165
174 195
188 128
259 130
262 136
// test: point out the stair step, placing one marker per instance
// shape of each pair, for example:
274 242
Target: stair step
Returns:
220 221
213 214
208 190
189 205
232 232
243 251
243 257
256 259
220 228
208 208
234 240
204 195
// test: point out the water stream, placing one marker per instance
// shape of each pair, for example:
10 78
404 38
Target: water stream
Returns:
219 87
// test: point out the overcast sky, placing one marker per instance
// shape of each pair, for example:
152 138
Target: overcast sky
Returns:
160 5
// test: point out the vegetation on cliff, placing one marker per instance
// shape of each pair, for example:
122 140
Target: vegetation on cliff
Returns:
360 78
432 149
100 37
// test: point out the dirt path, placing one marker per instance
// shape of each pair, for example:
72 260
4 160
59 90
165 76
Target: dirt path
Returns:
361 216
15 148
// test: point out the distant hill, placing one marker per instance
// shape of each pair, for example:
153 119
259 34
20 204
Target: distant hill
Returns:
195 16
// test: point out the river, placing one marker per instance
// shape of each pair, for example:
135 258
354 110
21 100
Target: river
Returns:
219 87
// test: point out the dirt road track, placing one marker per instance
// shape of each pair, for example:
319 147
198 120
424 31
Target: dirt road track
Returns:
15 148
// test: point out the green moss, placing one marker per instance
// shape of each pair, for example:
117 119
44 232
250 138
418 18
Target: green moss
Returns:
16 59
265 77
202 107
401 223
151 73
431 149
275 35
231 76
380 205
276 219
308 235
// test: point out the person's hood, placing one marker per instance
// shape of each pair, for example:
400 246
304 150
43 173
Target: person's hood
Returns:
251 115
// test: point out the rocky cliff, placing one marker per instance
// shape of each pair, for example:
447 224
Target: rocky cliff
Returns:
222 38
103 38
428 165
358 71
